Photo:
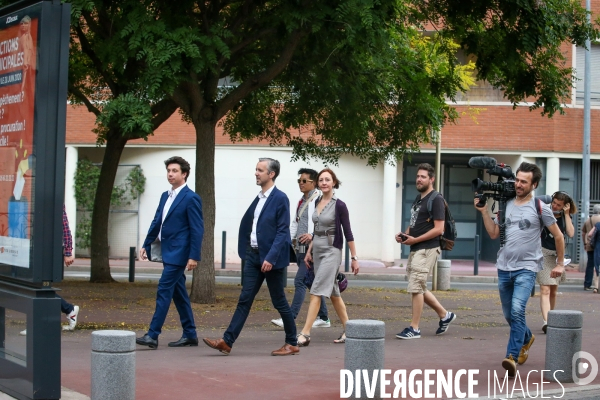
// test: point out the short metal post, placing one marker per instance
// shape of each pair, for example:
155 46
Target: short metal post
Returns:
242 272
132 264
223 245
476 257
347 262
3 328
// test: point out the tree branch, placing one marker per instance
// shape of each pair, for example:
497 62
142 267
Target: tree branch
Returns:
162 111
262 78
75 91
87 49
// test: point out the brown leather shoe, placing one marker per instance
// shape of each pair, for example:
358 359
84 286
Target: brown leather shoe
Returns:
286 350
218 344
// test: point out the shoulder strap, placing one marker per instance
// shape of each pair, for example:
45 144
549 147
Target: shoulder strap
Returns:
310 199
434 194
538 207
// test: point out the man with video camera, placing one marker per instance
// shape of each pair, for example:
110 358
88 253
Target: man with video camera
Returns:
520 258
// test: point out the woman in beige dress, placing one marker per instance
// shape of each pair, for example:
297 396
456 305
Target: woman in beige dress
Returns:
324 254
562 207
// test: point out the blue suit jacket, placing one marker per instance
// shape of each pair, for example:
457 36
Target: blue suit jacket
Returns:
182 229
272 230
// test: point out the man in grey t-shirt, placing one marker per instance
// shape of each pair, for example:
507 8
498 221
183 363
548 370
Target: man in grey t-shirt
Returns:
521 258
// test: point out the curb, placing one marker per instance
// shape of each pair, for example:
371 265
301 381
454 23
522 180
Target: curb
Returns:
291 274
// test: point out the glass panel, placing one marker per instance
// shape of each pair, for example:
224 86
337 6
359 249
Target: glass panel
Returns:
460 193
466 230
462 175
463 249
463 211
15 344
19 35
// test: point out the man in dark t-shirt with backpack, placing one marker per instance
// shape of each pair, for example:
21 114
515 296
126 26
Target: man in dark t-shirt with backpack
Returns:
423 237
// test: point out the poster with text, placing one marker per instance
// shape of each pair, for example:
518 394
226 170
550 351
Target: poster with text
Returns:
18 66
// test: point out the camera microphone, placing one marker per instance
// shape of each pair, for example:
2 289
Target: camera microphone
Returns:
482 162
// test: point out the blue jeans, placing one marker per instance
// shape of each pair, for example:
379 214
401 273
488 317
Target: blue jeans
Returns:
65 307
172 286
515 289
253 279
300 291
589 270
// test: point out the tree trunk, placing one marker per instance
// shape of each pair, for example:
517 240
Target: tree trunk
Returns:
100 269
203 281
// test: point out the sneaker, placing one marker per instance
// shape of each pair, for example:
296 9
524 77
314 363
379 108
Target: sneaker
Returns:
545 327
23 332
72 318
409 333
444 323
524 353
319 323
510 365
278 322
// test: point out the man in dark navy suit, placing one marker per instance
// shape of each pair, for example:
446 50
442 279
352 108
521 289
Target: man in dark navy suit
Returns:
264 243
179 227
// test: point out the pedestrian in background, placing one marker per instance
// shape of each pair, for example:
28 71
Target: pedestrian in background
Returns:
589 270
563 208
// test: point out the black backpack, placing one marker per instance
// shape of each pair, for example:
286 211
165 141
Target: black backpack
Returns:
449 236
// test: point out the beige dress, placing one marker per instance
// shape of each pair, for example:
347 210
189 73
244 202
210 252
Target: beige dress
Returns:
326 258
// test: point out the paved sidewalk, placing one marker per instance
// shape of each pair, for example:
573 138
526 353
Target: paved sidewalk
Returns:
477 340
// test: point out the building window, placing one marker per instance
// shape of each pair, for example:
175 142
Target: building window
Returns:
580 73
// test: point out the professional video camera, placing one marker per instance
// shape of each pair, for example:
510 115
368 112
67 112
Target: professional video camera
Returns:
502 190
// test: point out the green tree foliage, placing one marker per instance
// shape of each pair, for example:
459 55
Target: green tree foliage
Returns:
333 77
107 77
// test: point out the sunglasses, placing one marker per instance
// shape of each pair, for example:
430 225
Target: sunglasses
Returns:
304 180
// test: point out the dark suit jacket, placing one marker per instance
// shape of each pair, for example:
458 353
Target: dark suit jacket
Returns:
272 230
182 229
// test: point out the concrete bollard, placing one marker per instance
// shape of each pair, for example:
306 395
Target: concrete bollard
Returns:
563 340
443 274
113 365
365 340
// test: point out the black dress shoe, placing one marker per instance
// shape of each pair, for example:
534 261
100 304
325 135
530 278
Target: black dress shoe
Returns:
147 341
184 342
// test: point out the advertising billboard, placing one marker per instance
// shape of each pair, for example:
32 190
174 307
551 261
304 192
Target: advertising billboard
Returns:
33 80
18 68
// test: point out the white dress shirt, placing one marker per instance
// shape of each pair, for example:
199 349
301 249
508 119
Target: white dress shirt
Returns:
172 195
262 199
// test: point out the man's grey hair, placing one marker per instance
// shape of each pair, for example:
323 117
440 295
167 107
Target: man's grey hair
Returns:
272 166
596 209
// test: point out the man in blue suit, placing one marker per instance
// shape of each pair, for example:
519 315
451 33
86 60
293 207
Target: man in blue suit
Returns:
179 227
264 243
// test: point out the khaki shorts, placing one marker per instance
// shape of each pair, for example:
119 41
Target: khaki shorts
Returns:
420 264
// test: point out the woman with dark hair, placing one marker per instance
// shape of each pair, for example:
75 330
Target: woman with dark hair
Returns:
563 208
325 253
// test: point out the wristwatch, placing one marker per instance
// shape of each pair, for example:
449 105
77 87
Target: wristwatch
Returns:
355 258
